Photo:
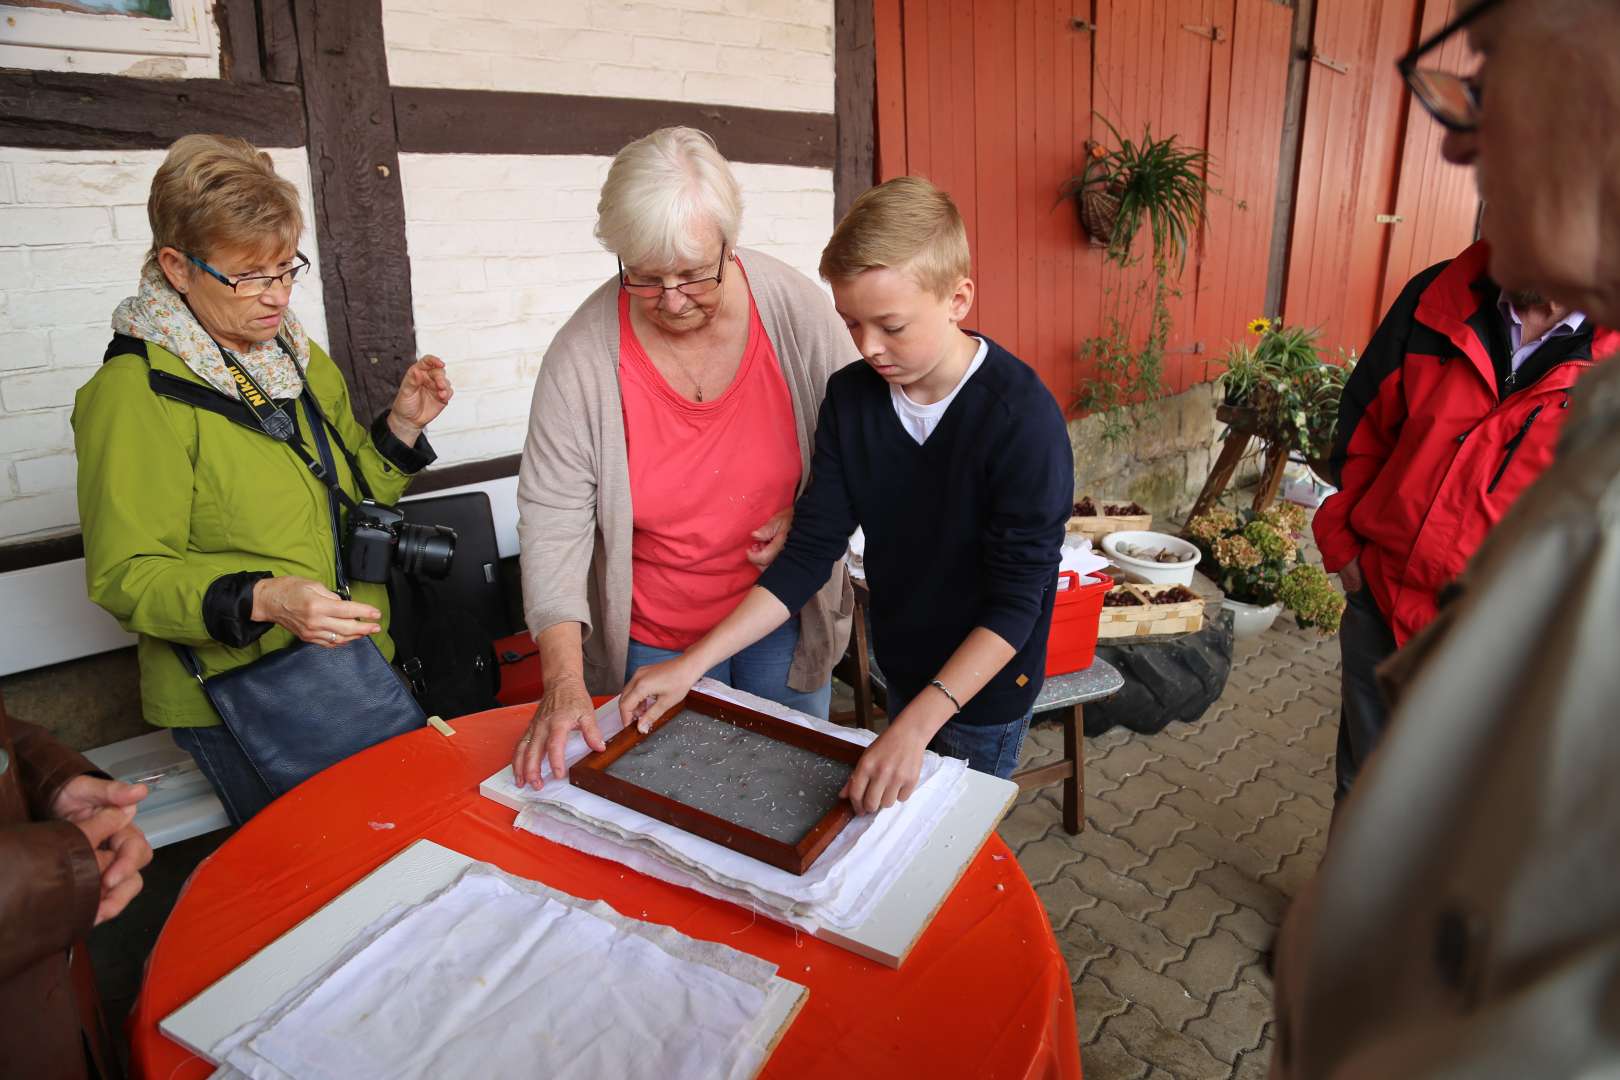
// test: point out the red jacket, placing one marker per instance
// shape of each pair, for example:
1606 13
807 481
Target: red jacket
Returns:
1428 453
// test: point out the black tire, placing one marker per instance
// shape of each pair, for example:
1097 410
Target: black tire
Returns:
1168 679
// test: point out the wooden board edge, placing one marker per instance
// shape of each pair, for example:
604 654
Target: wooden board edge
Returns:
950 890
415 849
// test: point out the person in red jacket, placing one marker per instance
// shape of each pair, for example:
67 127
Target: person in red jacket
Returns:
1452 411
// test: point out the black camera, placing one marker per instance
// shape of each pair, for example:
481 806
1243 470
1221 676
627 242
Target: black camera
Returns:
379 537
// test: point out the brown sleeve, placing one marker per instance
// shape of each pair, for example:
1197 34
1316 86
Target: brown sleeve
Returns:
48 894
44 766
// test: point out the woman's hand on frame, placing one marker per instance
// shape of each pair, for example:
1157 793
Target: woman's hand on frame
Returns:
563 707
311 612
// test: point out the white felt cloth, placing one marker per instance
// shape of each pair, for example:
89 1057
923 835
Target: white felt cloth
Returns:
840 889
497 977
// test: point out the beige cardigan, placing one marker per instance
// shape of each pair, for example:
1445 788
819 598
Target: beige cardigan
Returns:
574 519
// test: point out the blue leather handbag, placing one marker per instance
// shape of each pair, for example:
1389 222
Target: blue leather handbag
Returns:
297 710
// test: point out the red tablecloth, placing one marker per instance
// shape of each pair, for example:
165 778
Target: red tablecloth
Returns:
985 993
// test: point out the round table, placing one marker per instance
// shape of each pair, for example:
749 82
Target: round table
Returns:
985 992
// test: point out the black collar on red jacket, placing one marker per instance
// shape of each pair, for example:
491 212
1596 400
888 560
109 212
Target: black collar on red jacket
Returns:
1461 304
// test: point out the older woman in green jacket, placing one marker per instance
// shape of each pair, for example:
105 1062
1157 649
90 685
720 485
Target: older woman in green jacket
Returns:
197 530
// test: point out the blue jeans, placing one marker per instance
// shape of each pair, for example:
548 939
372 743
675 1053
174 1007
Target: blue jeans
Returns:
760 669
988 748
229 772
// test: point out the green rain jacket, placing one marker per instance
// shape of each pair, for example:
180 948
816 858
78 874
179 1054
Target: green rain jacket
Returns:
184 511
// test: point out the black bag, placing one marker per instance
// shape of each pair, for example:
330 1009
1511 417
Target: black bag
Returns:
300 709
445 652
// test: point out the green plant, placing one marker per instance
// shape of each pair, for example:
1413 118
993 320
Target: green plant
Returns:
1256 558
1152 180
1124 371
1284 379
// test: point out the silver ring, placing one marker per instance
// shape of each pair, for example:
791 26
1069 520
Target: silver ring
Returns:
524 741
330 636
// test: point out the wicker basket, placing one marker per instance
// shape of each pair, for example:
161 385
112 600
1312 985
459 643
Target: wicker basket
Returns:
1150 619
1094 528
1099 210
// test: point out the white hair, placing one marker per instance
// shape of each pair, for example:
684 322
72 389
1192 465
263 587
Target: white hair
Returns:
663 194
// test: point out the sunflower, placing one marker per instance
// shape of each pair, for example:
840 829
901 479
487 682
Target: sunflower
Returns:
1260 325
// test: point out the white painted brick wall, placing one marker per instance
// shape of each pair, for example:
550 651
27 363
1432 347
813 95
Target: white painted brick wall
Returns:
775 54
502 252
73 233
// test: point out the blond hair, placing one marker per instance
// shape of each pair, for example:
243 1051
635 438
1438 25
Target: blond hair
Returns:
213 193
905 224
662 191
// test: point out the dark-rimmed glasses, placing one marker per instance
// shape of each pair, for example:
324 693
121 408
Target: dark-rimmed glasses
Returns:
1453 100
256 284
698 287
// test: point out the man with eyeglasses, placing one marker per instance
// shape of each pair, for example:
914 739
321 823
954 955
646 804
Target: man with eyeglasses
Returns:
1466 919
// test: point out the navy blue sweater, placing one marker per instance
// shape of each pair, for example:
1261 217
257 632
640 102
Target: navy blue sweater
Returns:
963 531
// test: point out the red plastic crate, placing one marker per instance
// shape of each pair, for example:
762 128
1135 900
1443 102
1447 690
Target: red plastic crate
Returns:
519 658
1076 614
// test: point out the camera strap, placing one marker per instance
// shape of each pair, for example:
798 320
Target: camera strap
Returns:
333 491
270 416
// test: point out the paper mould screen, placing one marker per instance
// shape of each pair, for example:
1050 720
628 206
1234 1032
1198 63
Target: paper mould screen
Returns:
740 776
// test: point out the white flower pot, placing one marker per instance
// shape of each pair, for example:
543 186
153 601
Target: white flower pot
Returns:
1251 620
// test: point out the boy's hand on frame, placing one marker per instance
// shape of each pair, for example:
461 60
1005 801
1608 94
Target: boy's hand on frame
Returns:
887 772
653 690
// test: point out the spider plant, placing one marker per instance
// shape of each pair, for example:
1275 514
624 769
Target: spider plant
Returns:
1153 180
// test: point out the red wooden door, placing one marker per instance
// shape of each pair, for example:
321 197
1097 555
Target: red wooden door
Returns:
1375 202
994 100
1437 202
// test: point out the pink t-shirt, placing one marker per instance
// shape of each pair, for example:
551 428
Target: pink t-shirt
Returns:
703 476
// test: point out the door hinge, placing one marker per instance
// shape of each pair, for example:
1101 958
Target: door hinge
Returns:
1332 65
1214 33
1389 219
1082 25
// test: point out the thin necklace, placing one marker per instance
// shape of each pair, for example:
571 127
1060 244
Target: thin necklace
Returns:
686 370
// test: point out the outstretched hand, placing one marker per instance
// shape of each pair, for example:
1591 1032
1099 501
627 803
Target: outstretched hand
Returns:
563 707
654 690
423 393
887 772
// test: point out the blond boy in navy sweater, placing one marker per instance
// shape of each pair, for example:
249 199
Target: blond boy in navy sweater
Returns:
955 460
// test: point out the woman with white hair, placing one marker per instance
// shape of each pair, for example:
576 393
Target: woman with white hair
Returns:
670 433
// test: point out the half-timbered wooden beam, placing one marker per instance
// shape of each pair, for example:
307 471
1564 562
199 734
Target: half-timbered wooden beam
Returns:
51 110
436 120
359 202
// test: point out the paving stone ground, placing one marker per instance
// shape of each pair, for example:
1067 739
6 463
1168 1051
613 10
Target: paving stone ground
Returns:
1195 840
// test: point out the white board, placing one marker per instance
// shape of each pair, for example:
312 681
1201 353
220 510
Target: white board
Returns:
905 911
410 877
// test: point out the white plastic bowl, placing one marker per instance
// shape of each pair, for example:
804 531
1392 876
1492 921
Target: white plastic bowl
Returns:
1159 573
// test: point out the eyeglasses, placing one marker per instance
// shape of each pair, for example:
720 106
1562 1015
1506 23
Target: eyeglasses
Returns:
257 284
688 288
1454 100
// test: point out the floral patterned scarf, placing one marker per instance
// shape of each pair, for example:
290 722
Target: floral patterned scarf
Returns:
159 314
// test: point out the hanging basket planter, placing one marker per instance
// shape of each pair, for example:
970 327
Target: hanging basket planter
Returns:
1099 213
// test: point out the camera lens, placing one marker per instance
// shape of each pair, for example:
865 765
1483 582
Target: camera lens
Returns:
426 550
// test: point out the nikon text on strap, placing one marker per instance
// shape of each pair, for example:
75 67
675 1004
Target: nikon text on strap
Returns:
246 414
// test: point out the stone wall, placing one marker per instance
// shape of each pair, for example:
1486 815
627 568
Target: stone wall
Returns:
1163 462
